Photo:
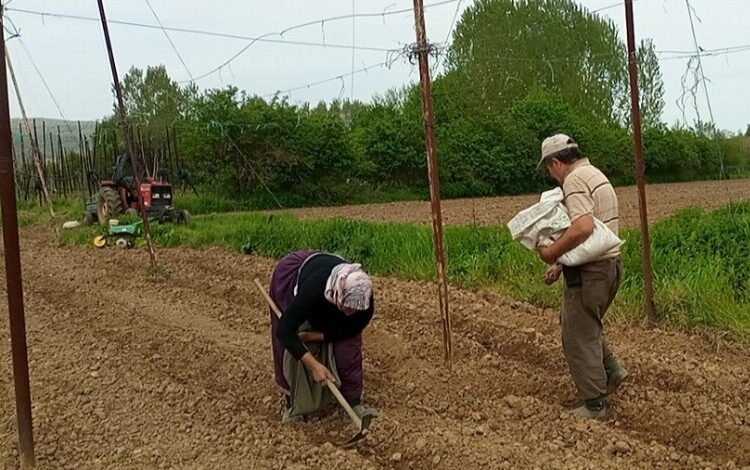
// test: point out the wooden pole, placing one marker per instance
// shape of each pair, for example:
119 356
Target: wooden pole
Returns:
61 161
55 171
81 158
422 52
34 144
640 167
169 156
14 284
128 132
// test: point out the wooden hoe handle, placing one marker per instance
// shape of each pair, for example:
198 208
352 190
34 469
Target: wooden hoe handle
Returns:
268 298
342 401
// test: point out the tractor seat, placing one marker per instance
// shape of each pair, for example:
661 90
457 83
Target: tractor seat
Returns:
128 182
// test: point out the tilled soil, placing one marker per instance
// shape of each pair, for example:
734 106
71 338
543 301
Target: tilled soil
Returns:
663 201
129 372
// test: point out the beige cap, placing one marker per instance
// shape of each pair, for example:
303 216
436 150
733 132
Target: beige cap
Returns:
555 144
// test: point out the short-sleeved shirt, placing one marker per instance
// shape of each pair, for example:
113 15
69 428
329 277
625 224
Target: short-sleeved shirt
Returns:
588 191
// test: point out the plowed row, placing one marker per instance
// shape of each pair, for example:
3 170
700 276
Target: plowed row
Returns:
129 372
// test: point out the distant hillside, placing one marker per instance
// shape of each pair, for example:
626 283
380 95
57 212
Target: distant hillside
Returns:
68 132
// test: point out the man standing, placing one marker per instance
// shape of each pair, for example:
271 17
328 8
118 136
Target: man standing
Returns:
590 288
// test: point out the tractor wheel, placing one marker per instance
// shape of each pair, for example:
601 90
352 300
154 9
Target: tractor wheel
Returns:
109 206
183 217
100 241
88 218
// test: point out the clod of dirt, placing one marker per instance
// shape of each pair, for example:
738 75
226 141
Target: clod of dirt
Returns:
620 447
396 457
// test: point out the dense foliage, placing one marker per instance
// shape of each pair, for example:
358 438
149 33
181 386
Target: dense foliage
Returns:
516 72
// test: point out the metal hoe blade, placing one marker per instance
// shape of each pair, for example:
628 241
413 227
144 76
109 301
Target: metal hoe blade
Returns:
363 431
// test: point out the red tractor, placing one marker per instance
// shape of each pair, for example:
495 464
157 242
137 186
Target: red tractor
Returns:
119 196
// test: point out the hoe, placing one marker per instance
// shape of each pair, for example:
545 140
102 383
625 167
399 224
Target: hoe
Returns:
362 424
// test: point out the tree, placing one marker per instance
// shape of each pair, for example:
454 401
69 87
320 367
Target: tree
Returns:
747 132
154 100
502 49
651 84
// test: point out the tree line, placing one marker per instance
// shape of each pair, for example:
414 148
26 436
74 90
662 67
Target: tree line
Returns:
515 72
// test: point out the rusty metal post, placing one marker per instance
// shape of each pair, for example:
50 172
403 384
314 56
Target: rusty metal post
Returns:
13 276
127 131
640 167
434 177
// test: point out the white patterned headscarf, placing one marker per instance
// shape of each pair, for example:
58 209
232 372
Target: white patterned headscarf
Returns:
349 286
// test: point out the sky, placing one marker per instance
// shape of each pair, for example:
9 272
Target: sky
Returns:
71 56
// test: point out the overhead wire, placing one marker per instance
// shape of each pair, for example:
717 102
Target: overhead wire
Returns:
700 62
439 63
327 80
365 15
264 38
705 54
703 80
171 43
227 136
163 28
716 52
322 22
199 31
46 86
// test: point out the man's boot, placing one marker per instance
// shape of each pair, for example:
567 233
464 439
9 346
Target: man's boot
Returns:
616 374
592 409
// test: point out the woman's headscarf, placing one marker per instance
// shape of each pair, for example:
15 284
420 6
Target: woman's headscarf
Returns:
349 286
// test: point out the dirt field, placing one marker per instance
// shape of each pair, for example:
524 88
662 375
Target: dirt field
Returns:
663 201
135 373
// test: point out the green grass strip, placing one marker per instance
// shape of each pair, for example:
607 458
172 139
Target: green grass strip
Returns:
701 260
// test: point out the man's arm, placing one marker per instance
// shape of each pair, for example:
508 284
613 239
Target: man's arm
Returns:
577 233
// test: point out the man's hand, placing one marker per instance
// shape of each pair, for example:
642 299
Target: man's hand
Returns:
577 233
553 274
547 254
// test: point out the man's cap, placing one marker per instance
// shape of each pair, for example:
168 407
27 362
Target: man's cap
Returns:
554 145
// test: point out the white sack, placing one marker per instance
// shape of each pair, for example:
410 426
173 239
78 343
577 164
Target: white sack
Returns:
541 220
545 222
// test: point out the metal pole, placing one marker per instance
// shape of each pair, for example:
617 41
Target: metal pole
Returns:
434 178
13 276
648 273
128 134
